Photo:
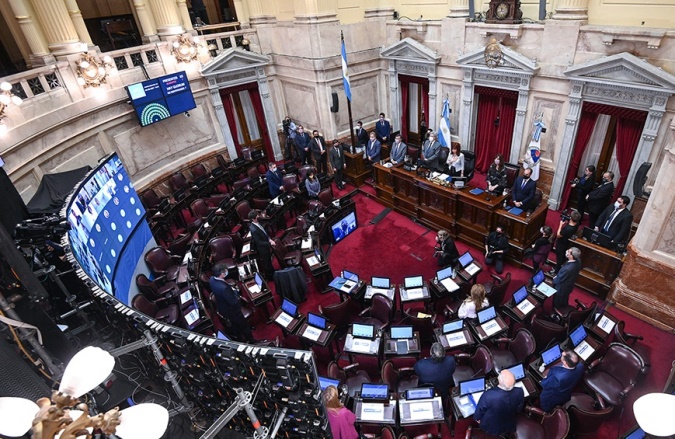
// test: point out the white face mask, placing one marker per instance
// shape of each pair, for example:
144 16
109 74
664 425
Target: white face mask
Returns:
617 205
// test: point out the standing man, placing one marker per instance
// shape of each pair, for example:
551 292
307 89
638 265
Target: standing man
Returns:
290 133
383 130
398 151
564 281
430 151
262 244
302 143
584 187
496 246
598 199
558 385
615 221
373 149
275 181
566 229
229 307
361 135
319 152
337 161
437 369
497 409
523 191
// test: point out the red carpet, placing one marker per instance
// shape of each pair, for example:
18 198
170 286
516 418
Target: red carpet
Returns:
397 247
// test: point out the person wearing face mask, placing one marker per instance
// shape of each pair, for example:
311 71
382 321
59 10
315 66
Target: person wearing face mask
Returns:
523 191
540 249
496 176
496 246
584 187
566 229
615 221
383 129
275 181
302 144
598 199
361 135
398 151
446 250
430 151
566 277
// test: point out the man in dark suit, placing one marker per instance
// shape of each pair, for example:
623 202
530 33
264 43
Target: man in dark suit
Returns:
383 129
436 370
262 244
430 151
497 409
598 199
337 161
361 135
615 220
564 280
523 191
319 152
302 144
275 181
398 151
558 385
584 187
229 307
373 149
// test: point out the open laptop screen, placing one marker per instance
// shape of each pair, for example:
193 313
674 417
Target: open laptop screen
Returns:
518 371
380 282
374 391
487 314
538 277
316 321
401 332
551 355
471 386
289 307
578 335
413 282
453 326
364 331
258 280
465 259
423 393
520 295
350 276
444 273
325 382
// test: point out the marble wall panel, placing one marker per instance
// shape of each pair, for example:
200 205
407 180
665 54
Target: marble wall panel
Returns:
301 103
667 242
27 185
552 117
84 153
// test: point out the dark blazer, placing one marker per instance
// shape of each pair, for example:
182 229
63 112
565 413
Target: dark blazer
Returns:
227 300
302 141
382 130
374 150
497 410
316 151
598 198
398 152
362 136
336 157
437 373
291 283
585 185
430 150
558 385
260 241
274 180
620 227
564 282
521 193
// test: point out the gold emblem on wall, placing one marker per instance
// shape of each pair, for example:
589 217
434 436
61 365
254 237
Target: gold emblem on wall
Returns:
493 54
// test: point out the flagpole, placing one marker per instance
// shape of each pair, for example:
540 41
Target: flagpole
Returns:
349 106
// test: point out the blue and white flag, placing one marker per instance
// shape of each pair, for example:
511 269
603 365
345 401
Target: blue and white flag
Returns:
533 154
345 72
444 126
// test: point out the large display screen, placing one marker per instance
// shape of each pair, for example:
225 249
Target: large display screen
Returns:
160 98
108 231
344 226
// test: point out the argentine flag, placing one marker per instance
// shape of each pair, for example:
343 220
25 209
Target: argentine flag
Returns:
345 73
444 128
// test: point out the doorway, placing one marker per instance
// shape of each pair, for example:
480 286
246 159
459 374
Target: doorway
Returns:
494 124
414 109
246 118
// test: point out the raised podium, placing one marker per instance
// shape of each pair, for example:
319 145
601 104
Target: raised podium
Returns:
356 172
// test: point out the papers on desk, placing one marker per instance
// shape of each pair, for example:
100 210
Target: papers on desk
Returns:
276 201
246 248
450 284
584 350
360 345
472 269
312 261
372 411
522 386
606 324
311 229
491 327
455 338
185 297
546 289
421 411
415 293
307 243
312 333
342 284
525 306
284 319
253 289
192 316
187 258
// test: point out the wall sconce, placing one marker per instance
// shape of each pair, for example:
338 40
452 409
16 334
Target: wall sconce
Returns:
92 72
213 50
494 57
6 97
246 44
185 49
49 417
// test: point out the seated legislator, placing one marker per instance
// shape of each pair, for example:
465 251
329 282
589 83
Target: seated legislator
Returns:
496 411
398 151
313 185
523 191
566 277
430 151
558 385
446 250
340 418
615 221
496 175
436 370
455 161
275 181
496 246
474 303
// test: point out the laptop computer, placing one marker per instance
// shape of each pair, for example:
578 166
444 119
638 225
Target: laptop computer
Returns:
470 391
413 286
540 285
400 336
375 392
363 331
551 355
581 346
316 320
445 277
466 262
325 382
421 393
520 301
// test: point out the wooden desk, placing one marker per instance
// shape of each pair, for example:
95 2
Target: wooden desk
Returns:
292 325
356 172
414 346
435 417
404 298
515 314
389 415
595 326
482 335
325 339
600 267
451 346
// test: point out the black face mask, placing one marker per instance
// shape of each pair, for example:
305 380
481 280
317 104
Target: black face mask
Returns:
604 180
525 177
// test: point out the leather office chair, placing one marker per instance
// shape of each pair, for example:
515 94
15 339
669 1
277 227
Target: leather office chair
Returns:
304 171
469 366
179 246
424 325
160 262
200 209
168 314
620 336
178 181
512 172
243 208
291 183
399 379
572 317
519 349
379 313
244 183
496 290
469 164
555 425
441 165
151 200
222 162
341 314
585 417
199 170
252 173
413 153
155 289
223 251
349 375
326 196
285 257
292 236
613 376
545 332
536 200
238 242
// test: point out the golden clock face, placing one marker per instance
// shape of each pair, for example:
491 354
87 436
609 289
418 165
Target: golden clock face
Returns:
502 11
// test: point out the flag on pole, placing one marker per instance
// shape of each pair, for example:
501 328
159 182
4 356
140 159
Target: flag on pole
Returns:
533 154
345 72
444 126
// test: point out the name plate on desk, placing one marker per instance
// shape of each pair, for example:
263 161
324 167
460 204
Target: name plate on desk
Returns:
584 350
491 327
472 269
361 345
455 339
246 248
284 319
312 333
254 289
372 411
525 306
312 261
192 316
185 297
307 243
606 324
417 293
421 411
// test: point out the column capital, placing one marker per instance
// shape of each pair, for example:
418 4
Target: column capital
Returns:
571 10
459 9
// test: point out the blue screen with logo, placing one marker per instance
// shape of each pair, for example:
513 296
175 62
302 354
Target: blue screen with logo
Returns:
160 98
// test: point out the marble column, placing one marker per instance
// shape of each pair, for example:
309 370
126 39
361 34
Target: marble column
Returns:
147 21
78 22
184 14
62 38
315 11
167 17
459 8
241 9
394 98
571 10
378 10
519 123
37 43
260 12
222 121
270 115
434 113
466 115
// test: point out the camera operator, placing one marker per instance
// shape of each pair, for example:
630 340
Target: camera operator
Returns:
289 131
496 246
584 186
566 229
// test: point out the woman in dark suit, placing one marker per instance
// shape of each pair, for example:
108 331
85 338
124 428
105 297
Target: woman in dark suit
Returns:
584 187
496 176
446 250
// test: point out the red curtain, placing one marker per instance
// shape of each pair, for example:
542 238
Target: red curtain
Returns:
260 117
404 110
628 132
504 133
586 125
488 110
231 121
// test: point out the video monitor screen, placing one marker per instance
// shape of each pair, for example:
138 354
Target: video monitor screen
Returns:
471 386
578 335
343 227
487 314
453 326
108 234
316 321
518 371
423 393
374 391
444 273
401 332
350 276
413 282
325 382
365 331
465 259
520 295
289 307
380 282
160 98
551 355
538 277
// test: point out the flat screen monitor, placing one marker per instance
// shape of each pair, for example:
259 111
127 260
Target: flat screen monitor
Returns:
221 336
445 273
471 386
160 98
344 226
259 280
487 314
374 391
518 371
423 393
413 282
637 434
453 326
325 382
538 277
350 276
363 331
465 259
401 332
596 237
578 335
289 308
380 282
551 355
520 295
316 321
